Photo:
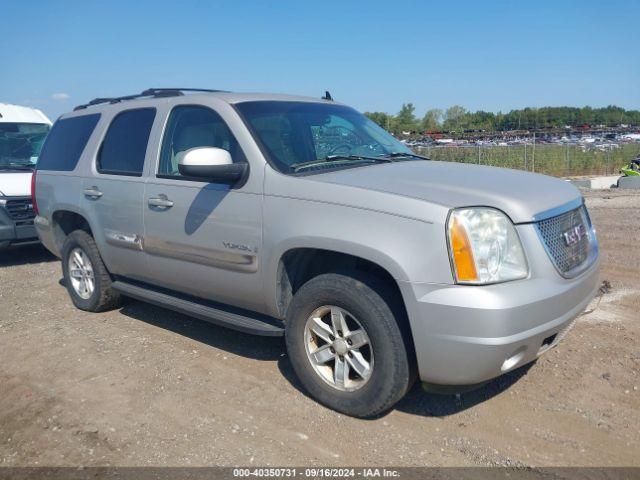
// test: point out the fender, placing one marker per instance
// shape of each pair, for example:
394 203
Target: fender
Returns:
354 249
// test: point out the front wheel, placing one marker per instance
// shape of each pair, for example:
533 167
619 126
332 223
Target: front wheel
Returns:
346 344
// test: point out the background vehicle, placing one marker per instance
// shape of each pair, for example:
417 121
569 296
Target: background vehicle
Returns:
281 215
22 133
632 169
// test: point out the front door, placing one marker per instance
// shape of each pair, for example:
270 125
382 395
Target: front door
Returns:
202 238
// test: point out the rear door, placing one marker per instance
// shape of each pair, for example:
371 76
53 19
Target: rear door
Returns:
202 238
113 192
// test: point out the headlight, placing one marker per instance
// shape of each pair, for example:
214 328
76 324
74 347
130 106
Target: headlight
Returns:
484 246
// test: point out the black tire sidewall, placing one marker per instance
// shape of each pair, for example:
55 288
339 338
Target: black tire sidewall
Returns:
82 240
391 373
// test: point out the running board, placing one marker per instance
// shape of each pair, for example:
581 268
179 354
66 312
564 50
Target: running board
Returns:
255 325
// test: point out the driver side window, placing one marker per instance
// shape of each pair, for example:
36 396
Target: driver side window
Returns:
191 126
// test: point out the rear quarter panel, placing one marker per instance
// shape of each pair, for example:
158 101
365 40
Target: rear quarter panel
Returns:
55 191
62 190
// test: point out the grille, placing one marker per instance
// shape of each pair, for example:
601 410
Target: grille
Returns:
566 257
20 209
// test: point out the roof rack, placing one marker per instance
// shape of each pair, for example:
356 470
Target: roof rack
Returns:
149 92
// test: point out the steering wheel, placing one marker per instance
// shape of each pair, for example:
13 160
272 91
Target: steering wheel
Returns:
340 149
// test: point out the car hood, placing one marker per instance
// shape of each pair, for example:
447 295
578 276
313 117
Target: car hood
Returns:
15 184
521 195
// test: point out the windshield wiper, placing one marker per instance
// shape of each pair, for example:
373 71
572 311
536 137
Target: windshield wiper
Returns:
403 154
16 166
332 158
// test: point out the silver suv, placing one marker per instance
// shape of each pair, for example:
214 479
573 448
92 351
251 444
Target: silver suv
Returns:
281 215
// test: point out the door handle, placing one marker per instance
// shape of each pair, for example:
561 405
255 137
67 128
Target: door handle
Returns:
161 201
92 192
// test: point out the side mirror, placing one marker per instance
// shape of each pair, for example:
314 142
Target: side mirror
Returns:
211 164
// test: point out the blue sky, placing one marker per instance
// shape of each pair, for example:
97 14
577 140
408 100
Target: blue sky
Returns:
373 55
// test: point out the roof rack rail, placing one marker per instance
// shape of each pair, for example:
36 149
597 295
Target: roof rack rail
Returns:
149 92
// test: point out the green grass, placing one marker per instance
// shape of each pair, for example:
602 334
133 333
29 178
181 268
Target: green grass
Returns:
556 160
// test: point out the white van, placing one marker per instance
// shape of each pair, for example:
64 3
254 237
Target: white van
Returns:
22 133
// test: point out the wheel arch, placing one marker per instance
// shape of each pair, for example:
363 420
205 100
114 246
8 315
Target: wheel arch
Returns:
65 221
297 263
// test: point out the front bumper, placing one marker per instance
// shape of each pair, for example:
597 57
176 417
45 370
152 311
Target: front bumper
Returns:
465 335
12 232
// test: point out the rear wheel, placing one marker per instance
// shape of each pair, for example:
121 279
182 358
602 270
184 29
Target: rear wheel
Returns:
346 345
85 275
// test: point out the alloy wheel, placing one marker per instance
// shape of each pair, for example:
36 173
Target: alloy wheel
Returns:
81 273
338 348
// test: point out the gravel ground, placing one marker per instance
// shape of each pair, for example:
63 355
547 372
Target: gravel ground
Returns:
144 386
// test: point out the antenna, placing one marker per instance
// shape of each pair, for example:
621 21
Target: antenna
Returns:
327 96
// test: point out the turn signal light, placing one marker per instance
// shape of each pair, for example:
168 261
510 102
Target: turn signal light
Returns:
462 253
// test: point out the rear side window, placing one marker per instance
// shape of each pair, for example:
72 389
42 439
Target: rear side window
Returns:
65 143
125 144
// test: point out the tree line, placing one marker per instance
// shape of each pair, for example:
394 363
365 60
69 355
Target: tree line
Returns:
459 119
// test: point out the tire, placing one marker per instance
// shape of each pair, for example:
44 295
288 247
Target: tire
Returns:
388 353
102 297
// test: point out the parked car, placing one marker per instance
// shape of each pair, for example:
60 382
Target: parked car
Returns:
282 215
22 132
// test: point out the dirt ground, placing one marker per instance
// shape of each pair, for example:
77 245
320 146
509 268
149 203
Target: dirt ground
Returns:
144 386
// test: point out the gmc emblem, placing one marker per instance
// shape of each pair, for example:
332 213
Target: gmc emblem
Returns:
573 236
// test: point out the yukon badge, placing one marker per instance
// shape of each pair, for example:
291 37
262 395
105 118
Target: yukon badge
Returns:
238 246
574 235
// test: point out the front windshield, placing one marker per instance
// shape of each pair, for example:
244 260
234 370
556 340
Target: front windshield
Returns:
294 133
20 144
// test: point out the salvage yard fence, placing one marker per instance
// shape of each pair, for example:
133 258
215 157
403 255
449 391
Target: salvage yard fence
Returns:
557 160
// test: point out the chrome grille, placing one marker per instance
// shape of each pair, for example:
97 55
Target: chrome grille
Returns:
564 256
19 209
